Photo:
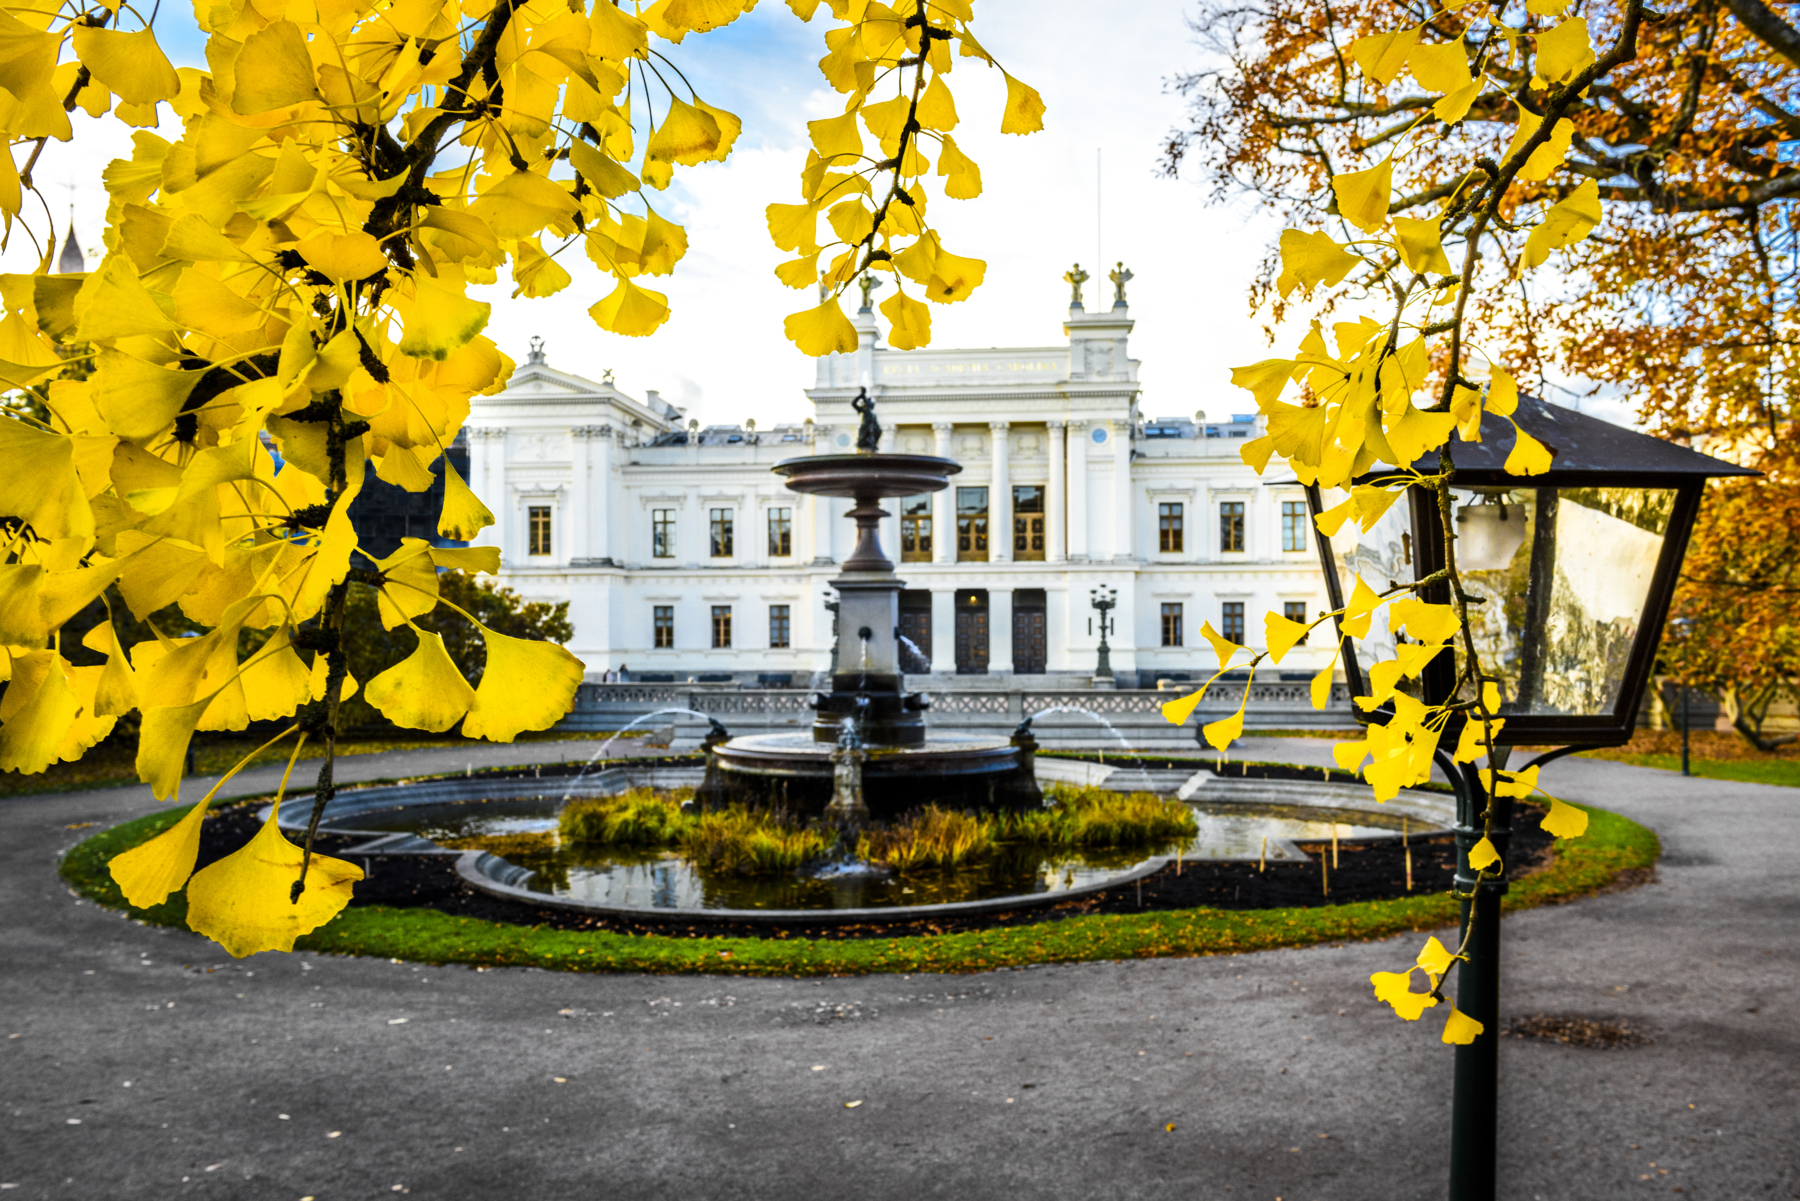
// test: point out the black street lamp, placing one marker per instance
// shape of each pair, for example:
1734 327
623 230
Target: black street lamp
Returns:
1576 567
1103 599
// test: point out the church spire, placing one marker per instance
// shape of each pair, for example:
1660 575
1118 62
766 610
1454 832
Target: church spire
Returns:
70 261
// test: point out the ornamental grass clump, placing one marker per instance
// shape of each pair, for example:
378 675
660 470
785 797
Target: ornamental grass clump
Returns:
638 817
1087 816
929 838
751 844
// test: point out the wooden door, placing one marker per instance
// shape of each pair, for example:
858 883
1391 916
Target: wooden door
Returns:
1030 650
971 641
915 625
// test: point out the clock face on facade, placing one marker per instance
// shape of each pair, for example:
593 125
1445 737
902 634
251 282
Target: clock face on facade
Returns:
1099 434
843 439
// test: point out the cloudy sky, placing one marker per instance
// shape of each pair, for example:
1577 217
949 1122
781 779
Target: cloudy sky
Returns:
722 354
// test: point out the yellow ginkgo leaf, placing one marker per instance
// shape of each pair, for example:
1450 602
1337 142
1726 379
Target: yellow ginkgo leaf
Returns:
1422 620
909 321
630 310
1483 855
463 516
937 109
802 272
41 485
274 680
163 739
687 135
1528 455
1502 392
245 901
1360 611
1550 155
1565 820
821 331
524 203
604 174
1460 1029
1310 259
1472 744
616 34
150 871
1321 685
273 70
1420 244
424 691
1024 108
1435 958
963 176
128 63
1282 634
1222 733
1222 646
1396 989
1440 68
1568 221
1363 196
525 685
1257 452
116 694
32 725
440 319
837 139
1264 380
114 303
1455 105
343 257
1383 55
1176 712
1565 51
794 227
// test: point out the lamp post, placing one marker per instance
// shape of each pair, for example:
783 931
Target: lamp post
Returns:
1682 626
1575 569
1103 599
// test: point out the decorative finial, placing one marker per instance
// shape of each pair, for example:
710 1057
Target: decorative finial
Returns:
868 283
606 376
1075 277
1120 277
537 351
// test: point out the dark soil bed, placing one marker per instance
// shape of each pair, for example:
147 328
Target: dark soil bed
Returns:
1371 871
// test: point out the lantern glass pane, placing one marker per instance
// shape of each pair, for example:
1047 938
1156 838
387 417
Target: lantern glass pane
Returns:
1383 557
1563 613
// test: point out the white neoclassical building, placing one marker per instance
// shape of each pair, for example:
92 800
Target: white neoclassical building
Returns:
683 558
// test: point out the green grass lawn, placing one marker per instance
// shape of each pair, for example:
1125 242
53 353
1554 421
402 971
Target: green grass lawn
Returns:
1785 772
1612 845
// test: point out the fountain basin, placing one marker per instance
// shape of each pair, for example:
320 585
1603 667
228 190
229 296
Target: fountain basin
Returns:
792 772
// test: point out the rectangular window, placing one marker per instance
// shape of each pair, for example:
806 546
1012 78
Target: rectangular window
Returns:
781 533
1233 622
1028 522
1231 525
539 529
915 529
662 534
1293 525
662 627
721 534
1171 625
721 626
972 525
1168 531
1295 611
779 628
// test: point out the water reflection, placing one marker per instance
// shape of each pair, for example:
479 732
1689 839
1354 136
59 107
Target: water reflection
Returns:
523 831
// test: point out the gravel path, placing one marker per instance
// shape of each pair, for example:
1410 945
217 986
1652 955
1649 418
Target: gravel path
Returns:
144 1063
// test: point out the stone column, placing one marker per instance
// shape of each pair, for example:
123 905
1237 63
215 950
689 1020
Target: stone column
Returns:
1000 533
599 535
574 536
1078 491
943 515
890 525
1124 548
502 503
1054 511
943 631
1000 622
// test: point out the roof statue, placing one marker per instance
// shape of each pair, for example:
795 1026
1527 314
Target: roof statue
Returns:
1120 276
1075 277
868 283
537 351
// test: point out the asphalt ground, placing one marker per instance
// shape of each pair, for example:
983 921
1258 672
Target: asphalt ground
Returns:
138 1062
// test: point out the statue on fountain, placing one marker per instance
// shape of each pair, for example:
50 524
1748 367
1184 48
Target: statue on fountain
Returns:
868 434
846 777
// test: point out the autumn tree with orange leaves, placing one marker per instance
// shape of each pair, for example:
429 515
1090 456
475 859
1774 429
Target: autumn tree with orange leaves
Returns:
1683 302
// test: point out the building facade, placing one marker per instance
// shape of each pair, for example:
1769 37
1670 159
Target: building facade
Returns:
683 558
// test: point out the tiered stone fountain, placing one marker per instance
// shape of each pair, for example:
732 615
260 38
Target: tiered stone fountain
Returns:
902 764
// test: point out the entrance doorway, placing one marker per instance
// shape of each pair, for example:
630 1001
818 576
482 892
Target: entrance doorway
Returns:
1030 645
971 632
